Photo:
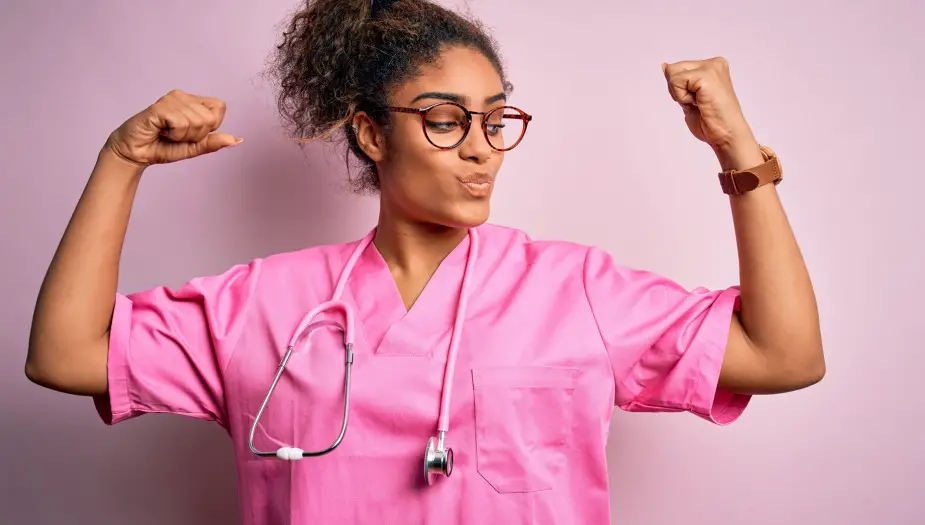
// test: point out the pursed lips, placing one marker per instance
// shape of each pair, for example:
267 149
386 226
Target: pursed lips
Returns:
478 184
477 178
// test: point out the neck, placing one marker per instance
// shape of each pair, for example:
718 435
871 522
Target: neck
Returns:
414 248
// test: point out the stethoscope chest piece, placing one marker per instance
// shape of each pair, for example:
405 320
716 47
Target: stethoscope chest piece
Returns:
437 460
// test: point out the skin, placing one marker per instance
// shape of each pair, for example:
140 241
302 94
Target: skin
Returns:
424 208
774 343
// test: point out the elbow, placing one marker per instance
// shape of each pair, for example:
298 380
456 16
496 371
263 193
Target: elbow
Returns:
33 368
81 371
38 359
36 374
31 372
809 370
800 367
37 370
814 366
814 372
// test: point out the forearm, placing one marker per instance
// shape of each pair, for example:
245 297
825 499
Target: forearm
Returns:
778 304
73 312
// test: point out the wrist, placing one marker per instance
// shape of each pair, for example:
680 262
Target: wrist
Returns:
109 161
739 154
119 177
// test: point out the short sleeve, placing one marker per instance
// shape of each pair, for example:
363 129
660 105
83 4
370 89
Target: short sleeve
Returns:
168 348
666 344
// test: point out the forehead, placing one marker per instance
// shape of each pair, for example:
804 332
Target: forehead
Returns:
458 70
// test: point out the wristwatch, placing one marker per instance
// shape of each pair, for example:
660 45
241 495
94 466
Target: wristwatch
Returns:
737 182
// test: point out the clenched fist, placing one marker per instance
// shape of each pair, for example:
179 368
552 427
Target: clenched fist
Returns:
712 112
178 126
704 90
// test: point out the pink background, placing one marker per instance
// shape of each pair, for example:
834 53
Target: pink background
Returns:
836 90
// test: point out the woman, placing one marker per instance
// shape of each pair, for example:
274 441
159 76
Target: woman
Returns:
461 335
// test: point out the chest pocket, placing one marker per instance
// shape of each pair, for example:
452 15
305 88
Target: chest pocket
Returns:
523 424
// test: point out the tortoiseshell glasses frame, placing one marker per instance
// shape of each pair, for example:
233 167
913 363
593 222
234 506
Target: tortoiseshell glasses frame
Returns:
508 112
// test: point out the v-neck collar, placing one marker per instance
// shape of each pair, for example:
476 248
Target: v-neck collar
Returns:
390 328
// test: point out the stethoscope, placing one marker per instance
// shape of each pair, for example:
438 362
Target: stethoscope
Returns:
438 459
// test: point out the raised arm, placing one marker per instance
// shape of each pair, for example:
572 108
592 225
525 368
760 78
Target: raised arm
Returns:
775 343
69 340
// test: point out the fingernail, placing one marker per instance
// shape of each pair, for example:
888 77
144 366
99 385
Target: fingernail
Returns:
236 142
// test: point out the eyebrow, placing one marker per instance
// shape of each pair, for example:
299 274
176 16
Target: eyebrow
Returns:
459 99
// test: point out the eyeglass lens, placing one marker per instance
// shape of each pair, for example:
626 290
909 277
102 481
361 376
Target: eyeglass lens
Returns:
446 124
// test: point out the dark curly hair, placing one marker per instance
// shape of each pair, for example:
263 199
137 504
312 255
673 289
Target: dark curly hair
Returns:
338 57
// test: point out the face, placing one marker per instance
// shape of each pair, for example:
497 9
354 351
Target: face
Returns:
425 184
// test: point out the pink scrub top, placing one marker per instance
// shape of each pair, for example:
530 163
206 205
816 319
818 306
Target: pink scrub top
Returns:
556 334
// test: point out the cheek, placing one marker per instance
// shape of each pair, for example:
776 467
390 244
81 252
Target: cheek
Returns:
408 148
417 167
407 135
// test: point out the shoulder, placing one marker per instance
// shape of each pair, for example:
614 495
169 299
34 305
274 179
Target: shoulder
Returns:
301 268
310 258
515 245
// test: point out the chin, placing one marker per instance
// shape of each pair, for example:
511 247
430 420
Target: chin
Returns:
468 215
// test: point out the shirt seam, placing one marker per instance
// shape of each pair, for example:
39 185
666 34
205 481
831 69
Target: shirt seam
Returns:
597 324
223 367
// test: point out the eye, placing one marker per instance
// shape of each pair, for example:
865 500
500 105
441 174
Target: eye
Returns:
445 118
494 129
442 126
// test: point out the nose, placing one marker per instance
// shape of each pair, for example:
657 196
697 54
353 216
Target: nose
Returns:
476 148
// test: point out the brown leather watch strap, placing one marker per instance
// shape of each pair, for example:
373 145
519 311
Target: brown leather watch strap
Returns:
738 182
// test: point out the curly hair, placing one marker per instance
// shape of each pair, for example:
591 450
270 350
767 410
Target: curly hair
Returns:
338 57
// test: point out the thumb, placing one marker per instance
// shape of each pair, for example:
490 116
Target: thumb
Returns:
681 87
681 80
212 143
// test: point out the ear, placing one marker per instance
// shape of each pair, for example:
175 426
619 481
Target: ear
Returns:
369 136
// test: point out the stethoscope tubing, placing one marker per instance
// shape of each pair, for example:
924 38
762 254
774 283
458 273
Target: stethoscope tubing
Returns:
306 327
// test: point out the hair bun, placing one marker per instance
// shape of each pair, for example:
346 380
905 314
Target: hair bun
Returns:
380 5
338 58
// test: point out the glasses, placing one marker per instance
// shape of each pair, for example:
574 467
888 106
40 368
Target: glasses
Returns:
446 124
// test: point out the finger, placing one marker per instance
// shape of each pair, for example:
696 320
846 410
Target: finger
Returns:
212 143
183 96
674 75
683 86
172 123
678 67
200 119
196 130
205 117
214 105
